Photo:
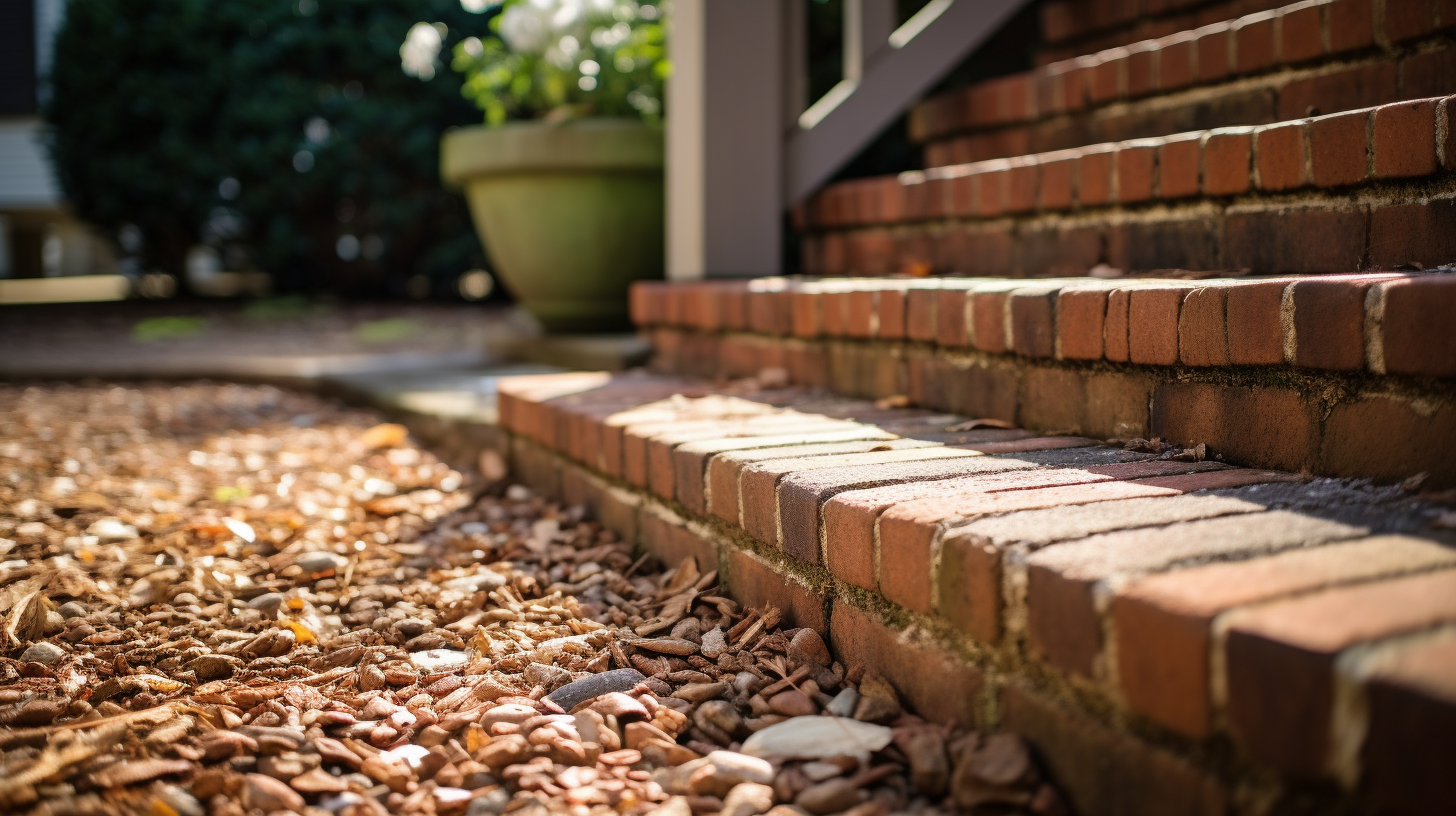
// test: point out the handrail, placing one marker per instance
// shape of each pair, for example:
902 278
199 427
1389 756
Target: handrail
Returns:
884 73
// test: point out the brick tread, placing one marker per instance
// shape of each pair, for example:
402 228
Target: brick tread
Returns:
1049 554
1313 53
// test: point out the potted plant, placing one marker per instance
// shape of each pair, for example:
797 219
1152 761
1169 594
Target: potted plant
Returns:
564 178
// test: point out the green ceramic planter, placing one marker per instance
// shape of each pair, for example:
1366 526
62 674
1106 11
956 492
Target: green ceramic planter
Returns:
571 213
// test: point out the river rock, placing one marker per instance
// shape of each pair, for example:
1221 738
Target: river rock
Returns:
808 647
817 737
792 703
747 799
434 661
318 561
111 530
268 794
575 693
44 653
830 796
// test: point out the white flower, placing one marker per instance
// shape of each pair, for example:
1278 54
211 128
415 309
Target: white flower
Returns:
420 50
526 27
479 6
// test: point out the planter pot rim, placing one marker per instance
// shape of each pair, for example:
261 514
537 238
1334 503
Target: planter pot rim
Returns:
525 147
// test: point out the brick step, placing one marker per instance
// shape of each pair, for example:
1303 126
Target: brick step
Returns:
1340 375
1173 635
1312 57
1071 28
1339 193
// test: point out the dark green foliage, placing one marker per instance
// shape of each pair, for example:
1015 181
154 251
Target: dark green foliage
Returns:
155 104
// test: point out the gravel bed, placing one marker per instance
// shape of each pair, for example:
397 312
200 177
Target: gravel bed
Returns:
224 599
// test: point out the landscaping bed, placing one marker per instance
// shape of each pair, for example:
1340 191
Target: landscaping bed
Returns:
228 599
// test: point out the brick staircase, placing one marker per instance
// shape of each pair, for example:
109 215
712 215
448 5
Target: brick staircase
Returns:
1129 425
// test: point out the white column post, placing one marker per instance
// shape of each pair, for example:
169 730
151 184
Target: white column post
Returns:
725 159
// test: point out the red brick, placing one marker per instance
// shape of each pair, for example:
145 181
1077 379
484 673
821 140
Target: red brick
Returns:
1226 154
1351 25
1305 240
1407 19
802 494
1152 323
1135 172
1254 43
1202 340
1058 171
1109 76
1115 326
758 583
1390 439
1281 659
920 314
1280 152
1259 426
666 536
988 321
1337 148
1300 33
1094 177
1329 321
1021 185
1419 233
1405 139
1175 61
861 318
1104 770
770 307
805 311
1358 86
908 530
1062 250
950 317
1052 399
1408 746
1141 70
1213 45
938 687
1062 581
891 311
1163 622
1032 313
1428 73
645 301
991 190
1179 158
1415 326
1080 315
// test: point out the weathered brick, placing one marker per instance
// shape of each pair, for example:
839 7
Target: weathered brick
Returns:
1117 405
1390 439
1280 660
920 314
1094 176
1405 139
666 536
1135 171
1152 322
1062 620
1329 320
1407 19
1106 771
1408 746
1164 622
1413 312
759 583
1031 312
1165 241
1338 148
986 313
1363 85
1052 399
1060 250
1304 240
690 460
1280 152
802 493
1179 166
950 316
939 688
1202 340
1351 25
1176 61
1213 45
1254 43
1259 426
1300 32
970 577
1226 157
725 469
1255 327
1080 314
1417 233
1058 174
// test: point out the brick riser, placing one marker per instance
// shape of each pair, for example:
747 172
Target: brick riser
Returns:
1324 56
1071 28
1346 376
1031 583
1363 189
